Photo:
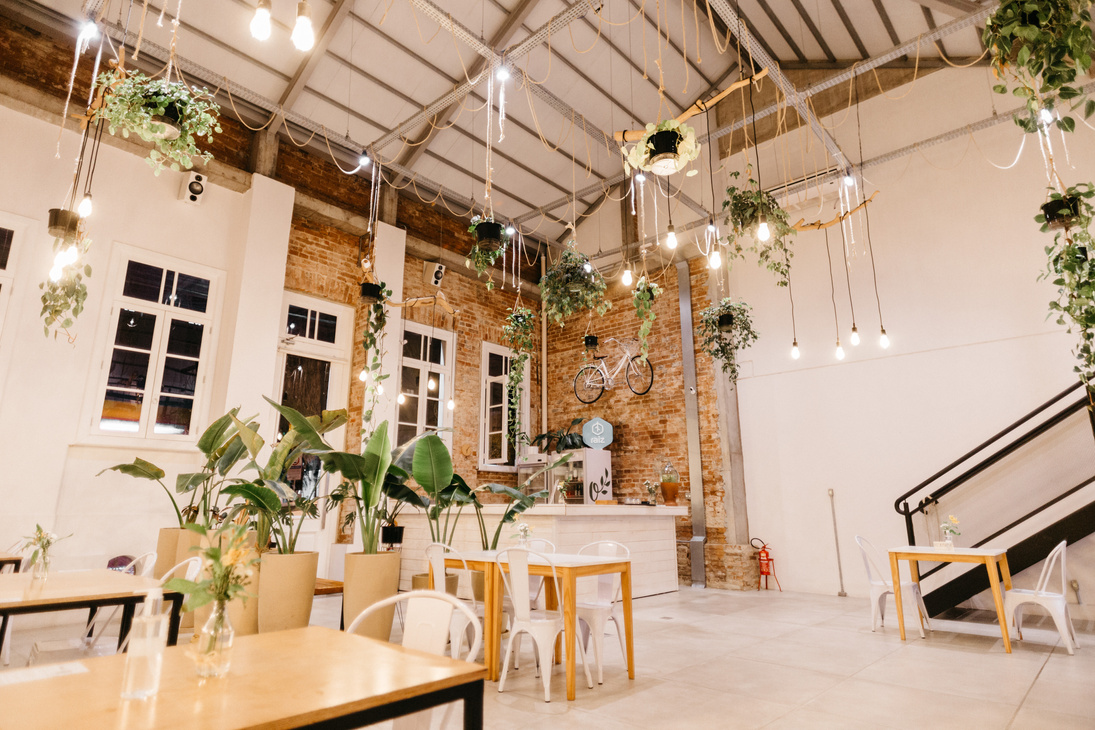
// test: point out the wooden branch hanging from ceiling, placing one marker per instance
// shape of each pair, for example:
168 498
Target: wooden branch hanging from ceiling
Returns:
802 225
634 135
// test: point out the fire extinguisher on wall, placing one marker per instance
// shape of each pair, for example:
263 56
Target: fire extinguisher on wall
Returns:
767 563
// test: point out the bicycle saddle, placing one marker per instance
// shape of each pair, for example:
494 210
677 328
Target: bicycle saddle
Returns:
600 357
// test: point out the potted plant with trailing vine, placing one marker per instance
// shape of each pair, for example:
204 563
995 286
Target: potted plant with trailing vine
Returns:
572 286
725 329
646 291
752 211
172 115
491 241
664 148
64 291
372 341
517 334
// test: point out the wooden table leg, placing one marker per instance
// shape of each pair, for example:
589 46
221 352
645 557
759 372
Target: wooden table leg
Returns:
1005 572
998 599
895 570
492 621
625 588
570 626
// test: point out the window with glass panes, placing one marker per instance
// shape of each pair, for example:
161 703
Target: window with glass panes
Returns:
425 381
495 447
159 332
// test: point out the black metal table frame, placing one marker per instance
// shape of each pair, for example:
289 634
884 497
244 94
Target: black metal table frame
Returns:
127 602
470 692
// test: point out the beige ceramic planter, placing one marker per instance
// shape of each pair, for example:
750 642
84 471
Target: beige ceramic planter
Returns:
286 590
421 582
167 548
187 539
244 614
368 579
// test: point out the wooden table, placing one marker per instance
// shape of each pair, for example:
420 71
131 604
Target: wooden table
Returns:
91 589
569 568
328 587
312 677
989 557
13 560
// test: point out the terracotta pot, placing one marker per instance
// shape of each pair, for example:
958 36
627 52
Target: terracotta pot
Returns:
669 493
286 590
421 582
368 579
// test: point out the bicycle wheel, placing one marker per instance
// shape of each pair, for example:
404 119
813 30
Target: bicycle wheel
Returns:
640 375
589 384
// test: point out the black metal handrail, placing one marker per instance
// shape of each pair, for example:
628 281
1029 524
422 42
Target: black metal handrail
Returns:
901 504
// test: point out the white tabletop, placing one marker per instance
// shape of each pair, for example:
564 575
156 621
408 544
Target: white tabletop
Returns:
986 552
559 560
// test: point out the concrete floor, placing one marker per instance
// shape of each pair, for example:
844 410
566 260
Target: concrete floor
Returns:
717 659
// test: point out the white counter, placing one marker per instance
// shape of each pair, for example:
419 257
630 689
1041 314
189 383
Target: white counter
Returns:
649 532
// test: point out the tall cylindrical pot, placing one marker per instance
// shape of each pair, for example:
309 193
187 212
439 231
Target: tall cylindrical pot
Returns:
286 590
368 579
167 549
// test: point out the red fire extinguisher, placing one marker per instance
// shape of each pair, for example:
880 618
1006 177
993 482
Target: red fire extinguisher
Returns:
767 563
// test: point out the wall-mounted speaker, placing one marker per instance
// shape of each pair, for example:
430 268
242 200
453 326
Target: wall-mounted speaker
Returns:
433 273
193 188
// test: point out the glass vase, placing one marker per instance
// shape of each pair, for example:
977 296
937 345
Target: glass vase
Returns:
214 651
40 571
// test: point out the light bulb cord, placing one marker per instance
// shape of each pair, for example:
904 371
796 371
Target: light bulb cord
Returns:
847 273
866 208
791 296
832 285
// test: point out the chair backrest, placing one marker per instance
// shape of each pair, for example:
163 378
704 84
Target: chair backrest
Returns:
875 575
516 560
436 554
426 621
541 545
142 565
608 586
15 549
1047 569
190 568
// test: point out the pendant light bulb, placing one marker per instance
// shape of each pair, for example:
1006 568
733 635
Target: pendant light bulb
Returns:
451 404
627 277
671 237
849 181
640 178
711 226
380 390
363 375
763 232
88 32
502 73
839 351
884 340
304 36
795 354
363 160
1046 116
588 267
510 230
85 207
68 256
401 399
431 384
715 259
260 24
855 336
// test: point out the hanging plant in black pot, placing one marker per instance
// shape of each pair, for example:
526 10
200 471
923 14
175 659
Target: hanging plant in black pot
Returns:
572 286
490 244
1060 212
664 148
590 342
724 344
63 223
371 293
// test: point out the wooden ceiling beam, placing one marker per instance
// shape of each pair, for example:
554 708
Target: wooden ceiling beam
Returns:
304 72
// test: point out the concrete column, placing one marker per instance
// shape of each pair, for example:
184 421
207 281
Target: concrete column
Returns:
264 152
629 224
389 205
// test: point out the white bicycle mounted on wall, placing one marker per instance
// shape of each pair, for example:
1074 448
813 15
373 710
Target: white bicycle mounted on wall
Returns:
592 380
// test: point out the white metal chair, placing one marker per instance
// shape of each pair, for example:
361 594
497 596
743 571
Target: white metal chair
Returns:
1056 604
427 624
881 587
88 644
542 625
461 627
593 616
535 589
15 549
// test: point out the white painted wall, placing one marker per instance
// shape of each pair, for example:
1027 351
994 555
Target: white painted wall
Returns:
43 382
958 258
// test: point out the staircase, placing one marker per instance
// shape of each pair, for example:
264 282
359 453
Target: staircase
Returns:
1025 489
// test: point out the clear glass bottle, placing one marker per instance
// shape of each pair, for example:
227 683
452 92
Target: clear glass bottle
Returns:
671 482
144 657
214 651
40 570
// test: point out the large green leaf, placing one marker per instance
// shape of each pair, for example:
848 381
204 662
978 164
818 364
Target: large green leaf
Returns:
214 436
350 466
377 457
232 452
284 455
310 427
262 497
432 465
402 493
250 437
189 482
139 468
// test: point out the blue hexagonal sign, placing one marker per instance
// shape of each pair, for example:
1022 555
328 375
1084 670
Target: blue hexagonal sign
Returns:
597 433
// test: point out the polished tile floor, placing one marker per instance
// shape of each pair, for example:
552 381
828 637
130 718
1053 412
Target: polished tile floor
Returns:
717 659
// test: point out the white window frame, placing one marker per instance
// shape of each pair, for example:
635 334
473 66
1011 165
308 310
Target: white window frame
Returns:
486 464
444 415
96 391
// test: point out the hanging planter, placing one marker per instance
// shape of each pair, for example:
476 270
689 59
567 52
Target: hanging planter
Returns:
646 292
518 333
63 223
754 212
1060 212
724 344
169 114
590 342
664 148
491 242
572 286
371 293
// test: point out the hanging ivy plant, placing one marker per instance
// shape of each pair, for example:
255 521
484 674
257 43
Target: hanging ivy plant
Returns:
372 341
724 329
517 334
746 208
638 156
572 286
154 110
1039 47
64 292
646 291
1073 272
